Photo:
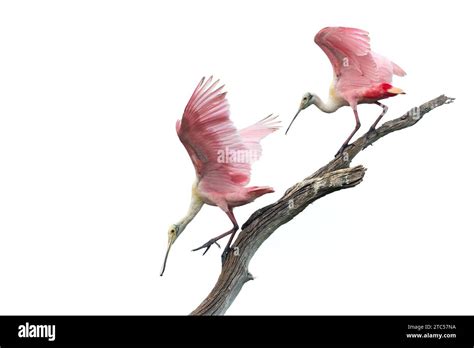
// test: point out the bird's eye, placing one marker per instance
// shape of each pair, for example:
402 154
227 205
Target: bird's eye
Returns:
173 230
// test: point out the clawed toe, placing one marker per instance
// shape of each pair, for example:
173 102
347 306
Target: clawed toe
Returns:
207 246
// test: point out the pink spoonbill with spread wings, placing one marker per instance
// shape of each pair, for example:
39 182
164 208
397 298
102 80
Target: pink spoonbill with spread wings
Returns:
222 158
360 75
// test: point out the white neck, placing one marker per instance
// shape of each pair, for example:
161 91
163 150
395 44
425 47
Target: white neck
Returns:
330 106
194 208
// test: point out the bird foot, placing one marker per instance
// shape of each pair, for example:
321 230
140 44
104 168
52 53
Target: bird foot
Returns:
207 245
226 253
371 132
342 149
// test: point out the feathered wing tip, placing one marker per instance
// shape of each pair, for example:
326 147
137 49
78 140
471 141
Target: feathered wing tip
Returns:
397 70
201 94
270 122
205 90
260 130
263 127
348 50
347 39
252 135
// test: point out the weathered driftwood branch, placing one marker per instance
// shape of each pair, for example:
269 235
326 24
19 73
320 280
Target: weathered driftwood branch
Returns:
334 176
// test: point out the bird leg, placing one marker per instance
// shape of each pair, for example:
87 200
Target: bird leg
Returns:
214 240
357 126
231 216
385 108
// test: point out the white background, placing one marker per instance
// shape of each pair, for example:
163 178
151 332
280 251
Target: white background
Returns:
92 172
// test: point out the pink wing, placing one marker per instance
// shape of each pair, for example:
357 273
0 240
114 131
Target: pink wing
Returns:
210 138
252 135
348 49
386 68
355 65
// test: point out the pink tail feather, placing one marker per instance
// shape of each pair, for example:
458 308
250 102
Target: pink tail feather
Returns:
257 191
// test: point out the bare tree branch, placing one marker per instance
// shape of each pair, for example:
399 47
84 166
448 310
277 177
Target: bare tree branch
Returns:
334 176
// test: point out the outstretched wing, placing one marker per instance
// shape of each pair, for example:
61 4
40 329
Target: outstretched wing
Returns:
252 135
348 49
355 65
386 68
211 139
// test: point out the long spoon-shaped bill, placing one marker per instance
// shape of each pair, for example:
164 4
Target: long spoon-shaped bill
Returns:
293 120
166 258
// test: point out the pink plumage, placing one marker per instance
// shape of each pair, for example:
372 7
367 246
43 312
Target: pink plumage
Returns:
211 139
360 75
221 155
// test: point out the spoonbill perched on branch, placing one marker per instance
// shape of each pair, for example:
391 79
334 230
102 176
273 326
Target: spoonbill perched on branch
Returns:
360 75
222 158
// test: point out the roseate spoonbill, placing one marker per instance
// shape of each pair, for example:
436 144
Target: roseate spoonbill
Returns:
360 75
222 158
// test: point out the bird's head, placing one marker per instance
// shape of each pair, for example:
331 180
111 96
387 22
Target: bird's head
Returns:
306 101
173 232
